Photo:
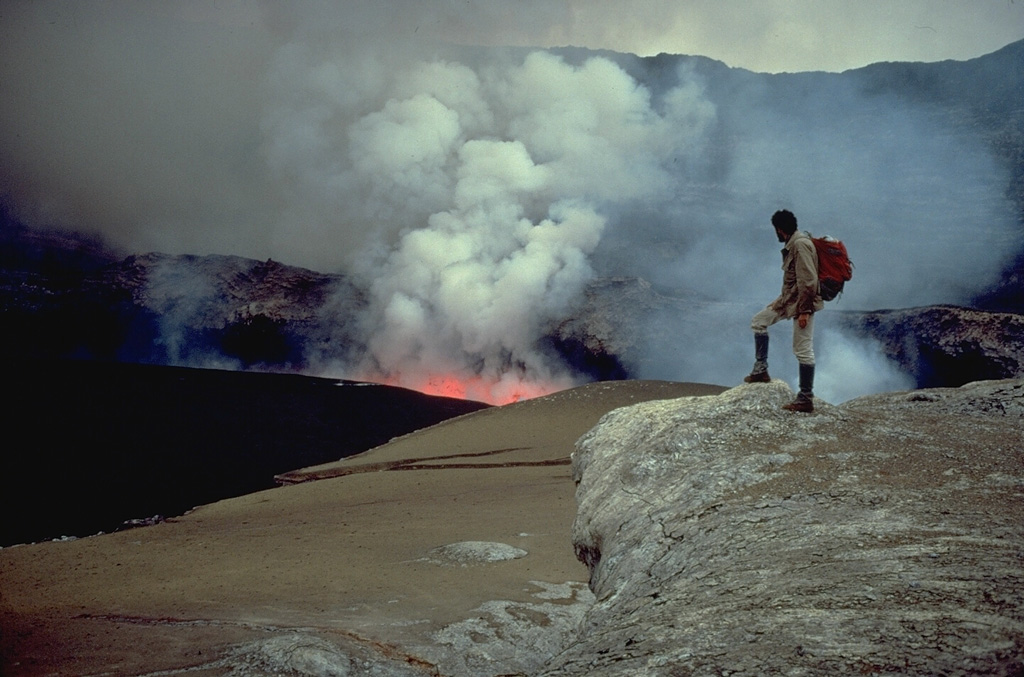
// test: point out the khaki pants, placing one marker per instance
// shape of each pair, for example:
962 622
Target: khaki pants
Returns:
803 339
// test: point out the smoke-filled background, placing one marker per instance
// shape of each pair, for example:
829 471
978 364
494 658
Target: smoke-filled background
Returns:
474 186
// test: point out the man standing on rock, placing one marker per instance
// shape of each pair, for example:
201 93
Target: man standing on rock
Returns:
799 300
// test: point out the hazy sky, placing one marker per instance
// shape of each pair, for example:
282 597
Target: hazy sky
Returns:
767 35
761 35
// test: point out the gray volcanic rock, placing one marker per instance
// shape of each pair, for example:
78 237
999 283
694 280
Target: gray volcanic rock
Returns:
726 536
256 311
610 331
511 638
947 345
215 291
939 346
212 310
609 307
234 312
474 552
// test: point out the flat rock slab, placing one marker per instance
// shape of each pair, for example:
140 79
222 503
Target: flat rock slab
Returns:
727 536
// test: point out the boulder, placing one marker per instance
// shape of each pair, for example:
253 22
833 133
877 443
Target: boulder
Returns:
466 553
727 536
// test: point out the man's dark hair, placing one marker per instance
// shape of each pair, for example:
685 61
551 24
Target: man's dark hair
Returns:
785 221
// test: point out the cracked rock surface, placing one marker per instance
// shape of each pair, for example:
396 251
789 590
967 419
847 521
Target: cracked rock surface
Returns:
727 536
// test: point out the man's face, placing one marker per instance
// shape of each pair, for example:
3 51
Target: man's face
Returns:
782 236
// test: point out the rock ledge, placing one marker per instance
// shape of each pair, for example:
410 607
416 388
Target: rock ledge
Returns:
726 536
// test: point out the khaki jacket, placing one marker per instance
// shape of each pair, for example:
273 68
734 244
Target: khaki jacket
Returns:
799 278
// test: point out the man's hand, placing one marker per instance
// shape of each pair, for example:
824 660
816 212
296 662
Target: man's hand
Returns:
802 320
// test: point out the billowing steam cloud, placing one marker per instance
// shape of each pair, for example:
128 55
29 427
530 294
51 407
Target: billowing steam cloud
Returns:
489 191
474 192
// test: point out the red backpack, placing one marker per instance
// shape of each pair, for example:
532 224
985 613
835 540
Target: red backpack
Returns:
834 266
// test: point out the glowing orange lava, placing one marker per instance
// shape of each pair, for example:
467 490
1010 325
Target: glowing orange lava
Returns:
505 390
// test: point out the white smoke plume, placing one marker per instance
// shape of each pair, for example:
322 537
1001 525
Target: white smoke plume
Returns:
488 192
474 192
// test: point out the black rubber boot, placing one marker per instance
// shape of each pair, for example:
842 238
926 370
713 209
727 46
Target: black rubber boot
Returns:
759 374
805 398
807 380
